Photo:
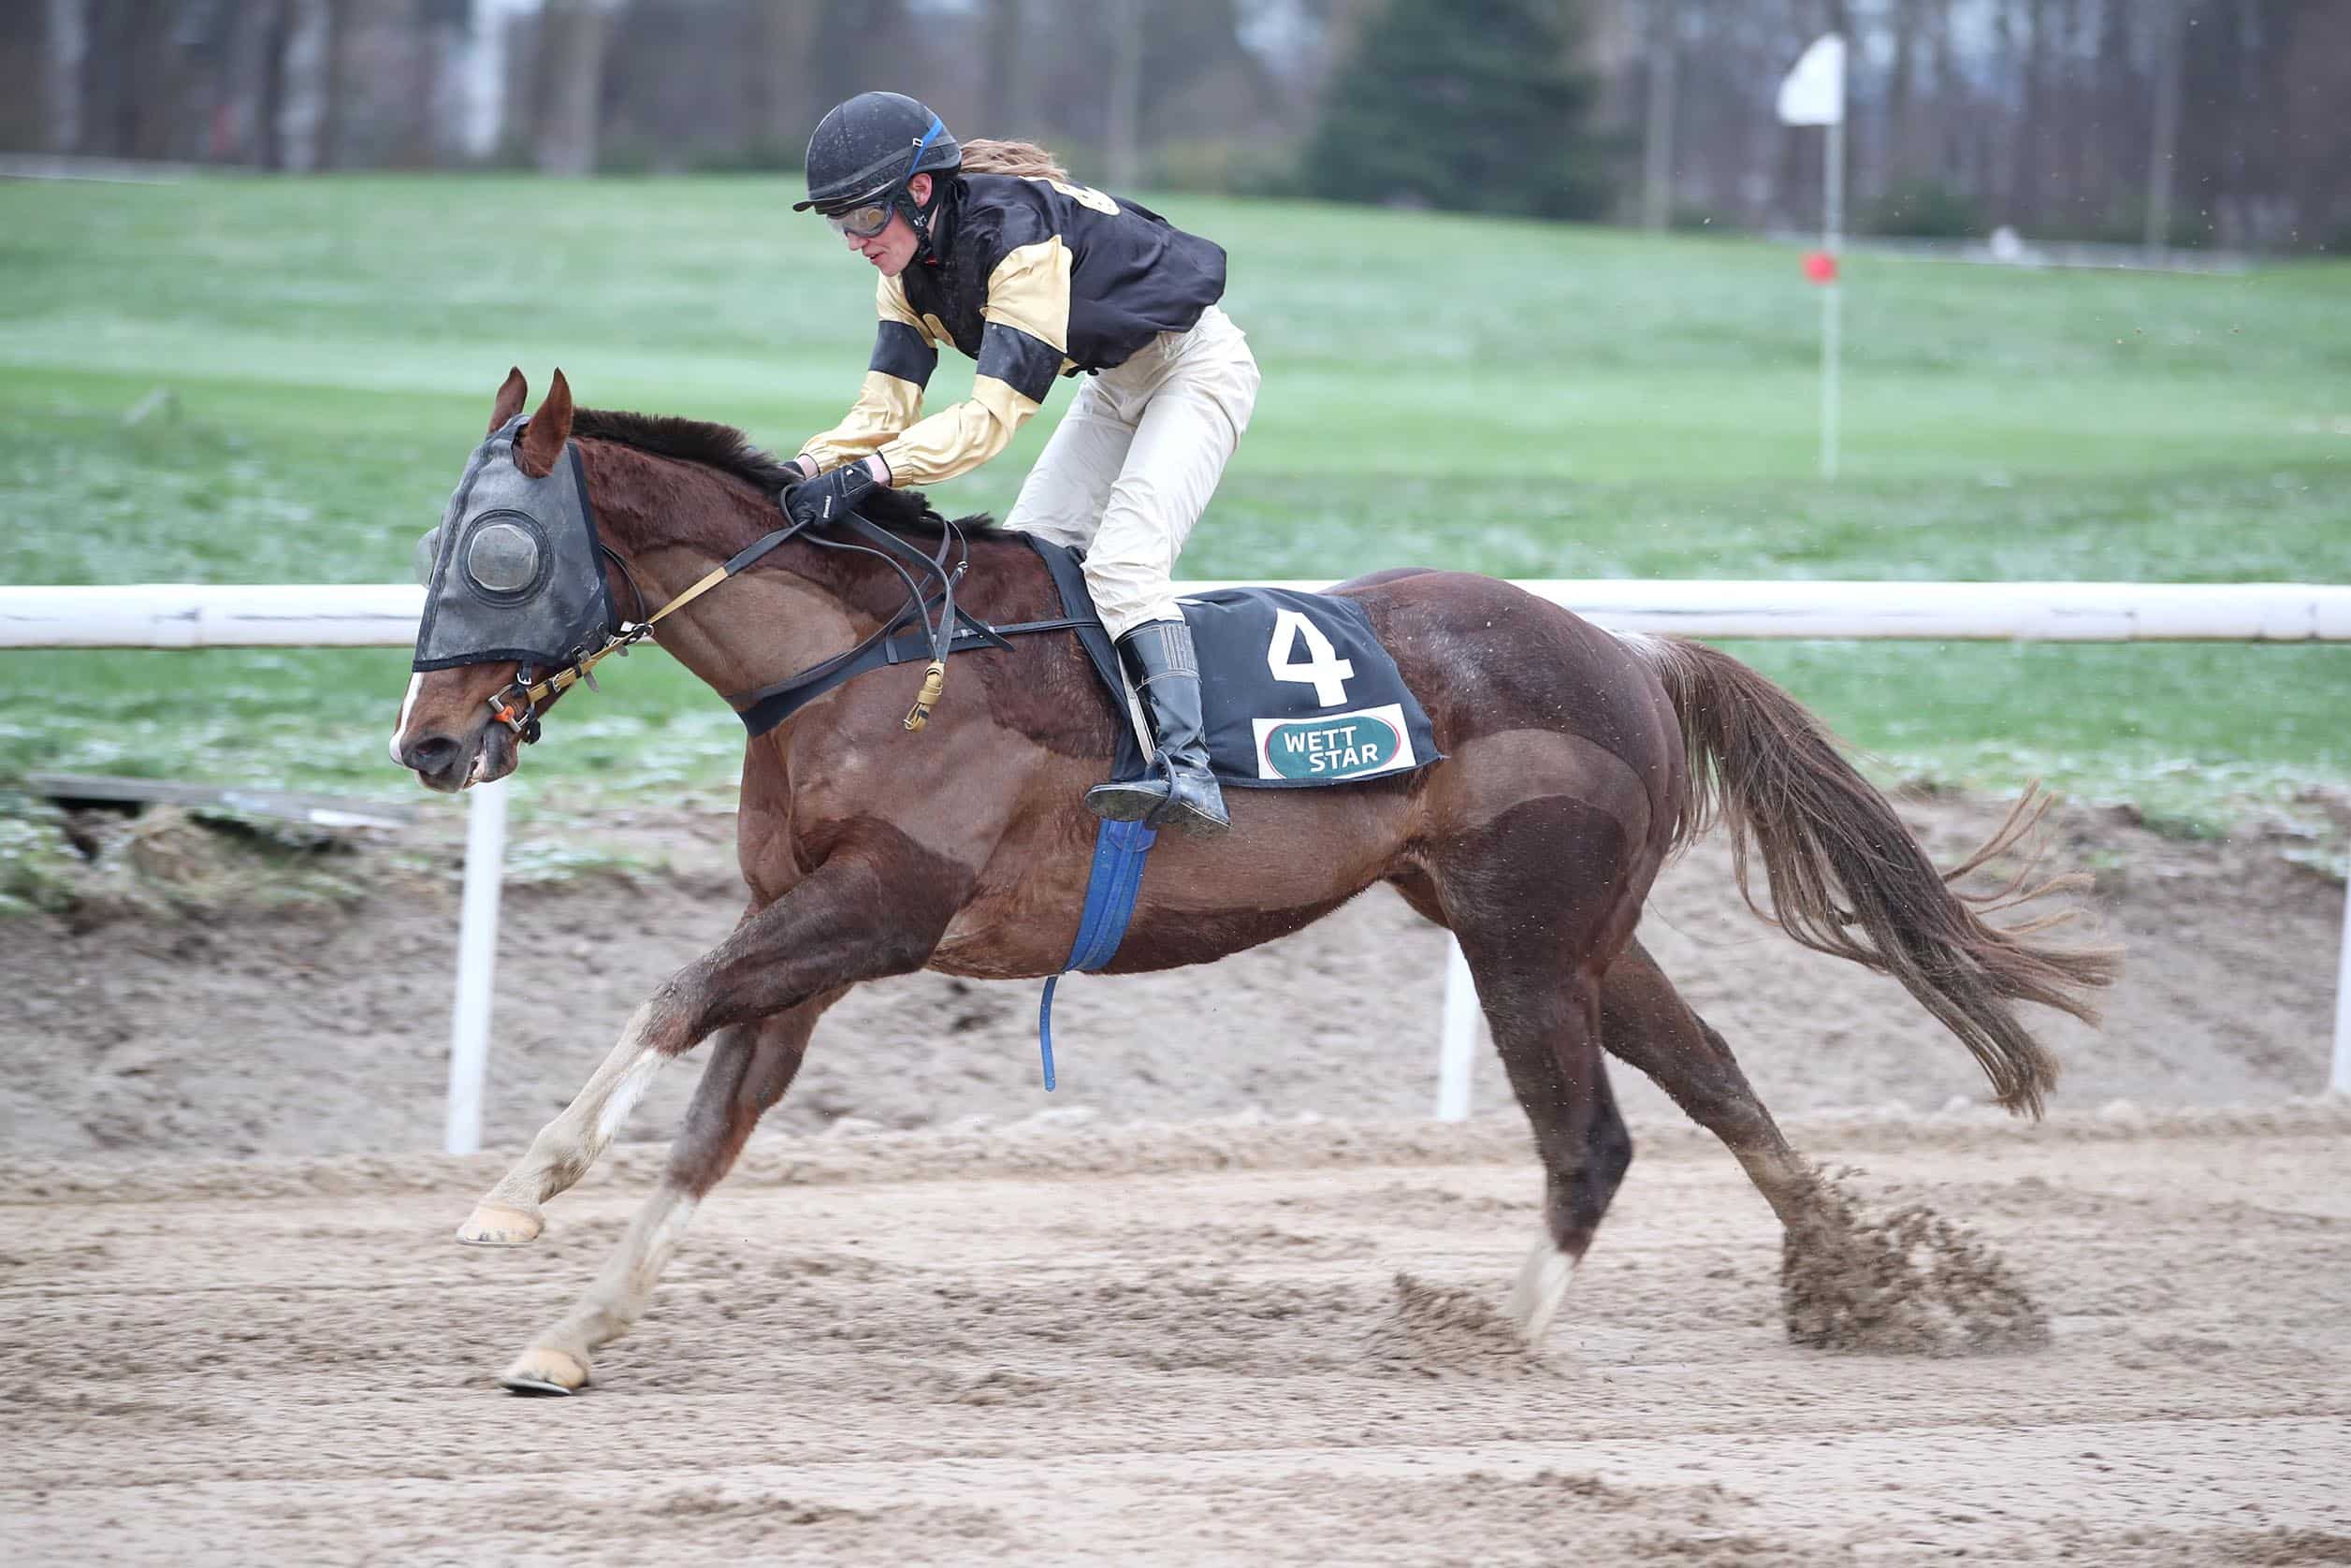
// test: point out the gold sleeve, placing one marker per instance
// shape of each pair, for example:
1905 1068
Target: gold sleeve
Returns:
891 397
1021 349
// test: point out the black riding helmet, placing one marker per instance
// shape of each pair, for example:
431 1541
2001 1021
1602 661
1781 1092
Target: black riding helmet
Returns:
862 154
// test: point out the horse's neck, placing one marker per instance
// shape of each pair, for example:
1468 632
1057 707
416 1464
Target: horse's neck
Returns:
674 523
747 631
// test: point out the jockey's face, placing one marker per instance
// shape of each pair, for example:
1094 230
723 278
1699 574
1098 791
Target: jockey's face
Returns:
892 248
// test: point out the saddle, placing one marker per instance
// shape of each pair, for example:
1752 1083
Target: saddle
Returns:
1274 720
1296 690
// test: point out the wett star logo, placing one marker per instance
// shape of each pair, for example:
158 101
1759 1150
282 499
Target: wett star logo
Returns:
1341 745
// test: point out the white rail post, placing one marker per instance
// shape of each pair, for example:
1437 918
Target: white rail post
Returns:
1459 1052
2339 1081
1832 304
477 955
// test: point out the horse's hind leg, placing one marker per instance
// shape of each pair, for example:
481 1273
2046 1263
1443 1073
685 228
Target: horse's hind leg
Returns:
1645 1023
750 1068
1581 1138
1547 1032
1535 941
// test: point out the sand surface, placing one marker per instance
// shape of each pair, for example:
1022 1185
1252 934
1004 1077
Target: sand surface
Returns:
1235 1346
1212 1303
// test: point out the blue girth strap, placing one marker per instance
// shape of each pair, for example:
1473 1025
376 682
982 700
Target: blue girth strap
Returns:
1119 849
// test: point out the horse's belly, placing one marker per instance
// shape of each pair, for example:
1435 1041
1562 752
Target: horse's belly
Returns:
1016 935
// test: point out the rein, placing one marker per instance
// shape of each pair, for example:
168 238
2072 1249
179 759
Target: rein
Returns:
518 704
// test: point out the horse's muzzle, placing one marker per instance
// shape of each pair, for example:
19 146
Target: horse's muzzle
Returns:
449 764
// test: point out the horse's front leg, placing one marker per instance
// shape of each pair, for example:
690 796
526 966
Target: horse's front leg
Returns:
568 1147
748 1072
816 938
848 920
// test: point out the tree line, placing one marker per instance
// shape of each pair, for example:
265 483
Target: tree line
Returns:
2170 122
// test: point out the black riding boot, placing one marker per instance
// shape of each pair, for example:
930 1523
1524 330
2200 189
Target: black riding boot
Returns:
1180 789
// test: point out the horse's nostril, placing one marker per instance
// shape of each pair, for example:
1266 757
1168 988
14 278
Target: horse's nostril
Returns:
432 754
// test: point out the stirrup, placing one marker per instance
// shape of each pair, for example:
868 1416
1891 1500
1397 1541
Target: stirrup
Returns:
1192 817
1127 800
1159 800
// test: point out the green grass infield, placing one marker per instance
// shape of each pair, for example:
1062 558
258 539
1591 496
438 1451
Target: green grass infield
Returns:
1522 398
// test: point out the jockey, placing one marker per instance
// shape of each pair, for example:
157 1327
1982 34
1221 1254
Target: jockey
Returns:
991 248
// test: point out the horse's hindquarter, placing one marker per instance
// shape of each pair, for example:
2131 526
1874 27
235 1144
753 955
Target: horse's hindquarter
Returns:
1530 702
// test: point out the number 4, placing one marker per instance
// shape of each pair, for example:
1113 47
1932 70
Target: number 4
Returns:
1324 670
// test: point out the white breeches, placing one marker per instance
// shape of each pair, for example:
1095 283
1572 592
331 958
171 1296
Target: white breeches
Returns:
1134 461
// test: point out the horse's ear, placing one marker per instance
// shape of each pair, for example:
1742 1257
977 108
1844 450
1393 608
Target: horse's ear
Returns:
543 439
511 398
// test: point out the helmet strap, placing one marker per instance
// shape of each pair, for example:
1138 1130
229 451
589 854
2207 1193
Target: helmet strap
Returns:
917 216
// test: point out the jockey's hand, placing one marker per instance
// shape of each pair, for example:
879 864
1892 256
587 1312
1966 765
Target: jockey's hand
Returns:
829 496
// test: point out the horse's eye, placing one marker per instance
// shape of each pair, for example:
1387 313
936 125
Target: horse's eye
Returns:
502 557
428 552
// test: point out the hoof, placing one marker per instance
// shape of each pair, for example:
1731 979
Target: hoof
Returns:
493 1225
539 1371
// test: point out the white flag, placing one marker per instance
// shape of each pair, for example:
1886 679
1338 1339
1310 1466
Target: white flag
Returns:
1813 93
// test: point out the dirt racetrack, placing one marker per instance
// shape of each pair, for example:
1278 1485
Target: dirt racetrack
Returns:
1237 1344
1213 1303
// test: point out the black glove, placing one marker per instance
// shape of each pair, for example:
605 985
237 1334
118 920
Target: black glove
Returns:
829 496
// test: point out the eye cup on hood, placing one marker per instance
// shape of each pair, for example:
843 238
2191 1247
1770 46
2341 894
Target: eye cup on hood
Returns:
503 555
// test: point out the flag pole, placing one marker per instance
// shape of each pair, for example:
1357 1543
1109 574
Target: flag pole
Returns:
1832 296
1813 93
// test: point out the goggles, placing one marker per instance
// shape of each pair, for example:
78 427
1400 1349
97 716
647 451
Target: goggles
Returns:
868 216
861 220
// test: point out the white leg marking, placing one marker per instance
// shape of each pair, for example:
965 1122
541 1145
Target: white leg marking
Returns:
671 1231
635 1078
571 1142
415 684
625 1284
1543 1282
556 1360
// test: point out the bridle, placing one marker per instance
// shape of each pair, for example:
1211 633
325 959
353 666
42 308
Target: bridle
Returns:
518 704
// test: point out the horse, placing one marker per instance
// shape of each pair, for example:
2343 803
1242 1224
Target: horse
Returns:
1576 762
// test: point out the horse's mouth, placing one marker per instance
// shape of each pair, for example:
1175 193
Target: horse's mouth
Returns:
499 755
494 755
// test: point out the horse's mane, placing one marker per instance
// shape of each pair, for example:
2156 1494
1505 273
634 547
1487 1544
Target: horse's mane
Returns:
731 452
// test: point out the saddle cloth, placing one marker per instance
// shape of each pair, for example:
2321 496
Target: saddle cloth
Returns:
1296 689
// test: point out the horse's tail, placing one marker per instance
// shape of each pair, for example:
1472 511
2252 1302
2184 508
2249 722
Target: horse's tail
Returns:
1847 878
